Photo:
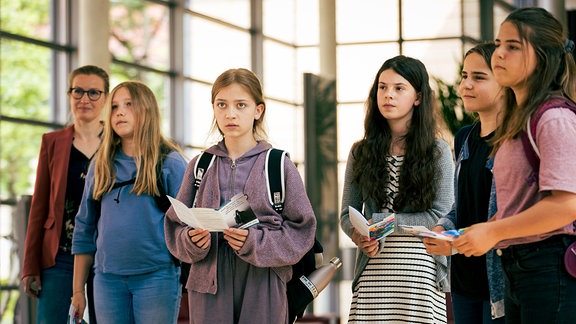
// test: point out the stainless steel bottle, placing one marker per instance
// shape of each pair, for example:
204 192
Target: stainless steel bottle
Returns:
320 278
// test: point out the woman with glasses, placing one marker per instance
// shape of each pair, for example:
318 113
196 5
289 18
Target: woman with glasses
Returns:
62 165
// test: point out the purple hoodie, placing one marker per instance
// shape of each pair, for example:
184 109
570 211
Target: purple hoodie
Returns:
278 241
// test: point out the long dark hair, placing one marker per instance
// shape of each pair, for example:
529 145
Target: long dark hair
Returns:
370 172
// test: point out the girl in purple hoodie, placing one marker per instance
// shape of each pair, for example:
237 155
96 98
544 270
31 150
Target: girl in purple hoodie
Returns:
239 275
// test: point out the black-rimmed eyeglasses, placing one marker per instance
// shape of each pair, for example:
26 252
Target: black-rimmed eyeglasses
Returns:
93 94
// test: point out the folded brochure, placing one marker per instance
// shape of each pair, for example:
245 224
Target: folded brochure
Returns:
373 231
235 212
422 231
73 316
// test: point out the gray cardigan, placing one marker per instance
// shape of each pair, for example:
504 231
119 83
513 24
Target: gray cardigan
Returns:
442 204
277 242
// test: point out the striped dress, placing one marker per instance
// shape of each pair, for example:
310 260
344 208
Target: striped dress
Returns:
398 285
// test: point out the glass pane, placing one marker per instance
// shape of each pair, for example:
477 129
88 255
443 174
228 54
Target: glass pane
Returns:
18 158
307 61
26 82
279 80
367 20
297 151
279 19
140 33
198 115
215 48
441 57
307 22
11 243
158 83
236 12
355 80
471 20
350 127
27 18
283 126
417 21
499 16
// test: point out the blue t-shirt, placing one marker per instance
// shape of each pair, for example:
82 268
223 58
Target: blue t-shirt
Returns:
130 231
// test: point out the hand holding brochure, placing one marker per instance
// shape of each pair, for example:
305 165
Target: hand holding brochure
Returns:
373 231
425 232
236 212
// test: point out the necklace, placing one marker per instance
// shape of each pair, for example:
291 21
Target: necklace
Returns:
88 159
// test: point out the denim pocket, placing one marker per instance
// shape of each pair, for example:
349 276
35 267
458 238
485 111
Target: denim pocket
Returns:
540 259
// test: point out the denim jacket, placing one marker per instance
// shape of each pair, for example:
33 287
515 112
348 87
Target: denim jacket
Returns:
493 262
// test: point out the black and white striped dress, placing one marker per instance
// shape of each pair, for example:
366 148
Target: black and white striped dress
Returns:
398 285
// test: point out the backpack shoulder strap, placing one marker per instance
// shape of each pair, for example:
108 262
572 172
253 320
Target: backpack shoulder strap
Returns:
203 162
161 200
528 142
274 171
123 183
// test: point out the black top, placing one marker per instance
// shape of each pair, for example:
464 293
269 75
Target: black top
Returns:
77 169
469 276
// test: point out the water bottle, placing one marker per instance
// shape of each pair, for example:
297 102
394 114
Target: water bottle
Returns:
321 277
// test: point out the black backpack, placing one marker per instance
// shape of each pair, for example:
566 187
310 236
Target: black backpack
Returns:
298 294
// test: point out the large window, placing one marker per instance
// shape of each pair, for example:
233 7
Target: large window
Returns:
32 46
179 47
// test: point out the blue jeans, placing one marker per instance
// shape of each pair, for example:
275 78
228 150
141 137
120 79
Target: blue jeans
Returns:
54 298
146 298
538 287
469 310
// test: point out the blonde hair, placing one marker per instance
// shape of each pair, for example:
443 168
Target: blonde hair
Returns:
150 146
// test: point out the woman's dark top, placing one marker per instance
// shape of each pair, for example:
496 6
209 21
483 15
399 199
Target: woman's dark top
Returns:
469 277
77 169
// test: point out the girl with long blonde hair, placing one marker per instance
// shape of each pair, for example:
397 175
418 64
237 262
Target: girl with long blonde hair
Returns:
120 225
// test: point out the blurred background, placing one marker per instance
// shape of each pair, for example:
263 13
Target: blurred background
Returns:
316 59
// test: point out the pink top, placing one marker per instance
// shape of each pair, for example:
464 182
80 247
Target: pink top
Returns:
556 141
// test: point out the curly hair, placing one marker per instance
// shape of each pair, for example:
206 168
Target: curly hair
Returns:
370 172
